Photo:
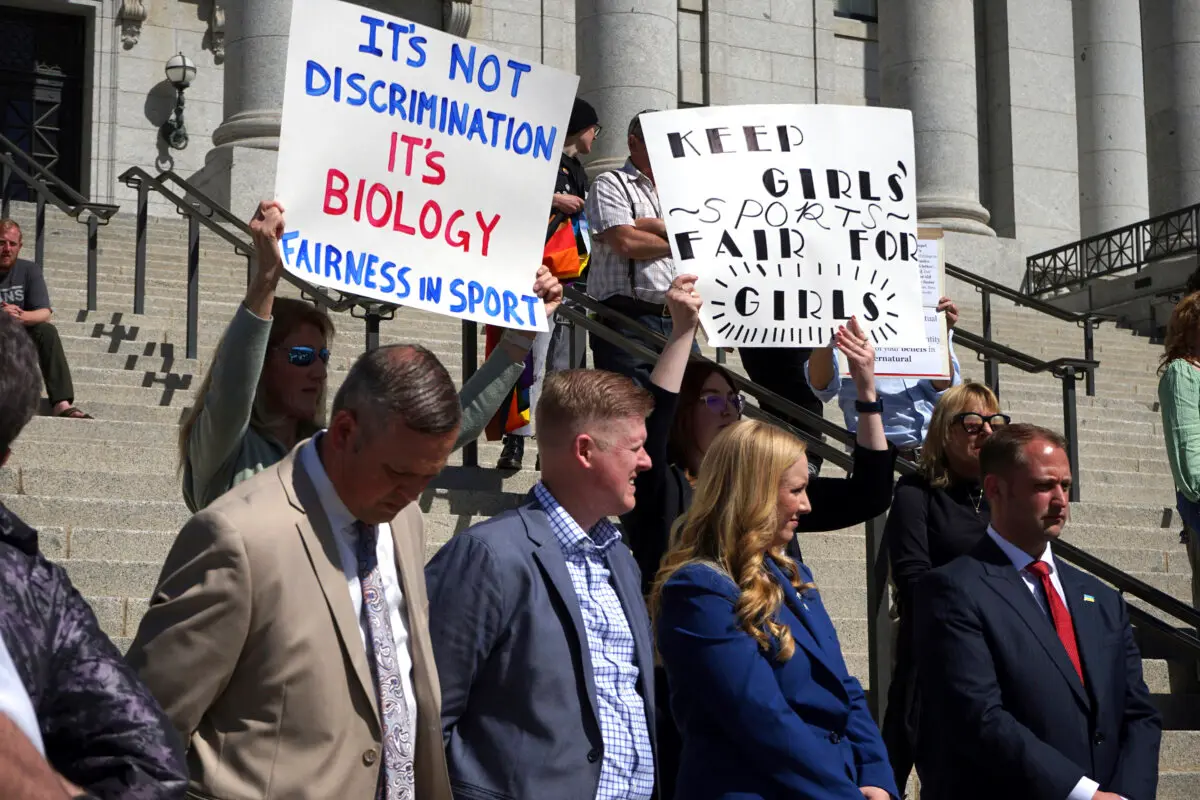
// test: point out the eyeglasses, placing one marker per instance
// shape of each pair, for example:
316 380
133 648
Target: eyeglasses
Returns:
717 404
973 423
596 131
302 356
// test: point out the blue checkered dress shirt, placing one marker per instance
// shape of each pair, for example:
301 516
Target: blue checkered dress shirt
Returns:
627 771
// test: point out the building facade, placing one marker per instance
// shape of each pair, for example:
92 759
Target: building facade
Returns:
1038 122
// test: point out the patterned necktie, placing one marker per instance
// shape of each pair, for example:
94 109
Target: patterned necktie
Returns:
396 780
1059 614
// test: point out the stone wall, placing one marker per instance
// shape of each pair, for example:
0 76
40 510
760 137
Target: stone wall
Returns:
132 98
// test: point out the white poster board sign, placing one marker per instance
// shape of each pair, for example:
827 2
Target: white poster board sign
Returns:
416 168
794 217
933 360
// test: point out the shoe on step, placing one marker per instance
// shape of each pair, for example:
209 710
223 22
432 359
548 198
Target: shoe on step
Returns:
512 454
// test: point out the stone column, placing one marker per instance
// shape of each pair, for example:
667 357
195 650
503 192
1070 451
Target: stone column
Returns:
256 45
927 65
1171 37
627 57
1110 114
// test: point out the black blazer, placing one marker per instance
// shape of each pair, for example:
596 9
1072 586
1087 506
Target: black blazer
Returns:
1004 714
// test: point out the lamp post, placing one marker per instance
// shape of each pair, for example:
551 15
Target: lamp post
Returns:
181 71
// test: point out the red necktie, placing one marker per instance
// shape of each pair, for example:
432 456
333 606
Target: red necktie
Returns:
1059 614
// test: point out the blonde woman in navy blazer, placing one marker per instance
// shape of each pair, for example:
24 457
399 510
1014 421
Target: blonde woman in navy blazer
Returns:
759 688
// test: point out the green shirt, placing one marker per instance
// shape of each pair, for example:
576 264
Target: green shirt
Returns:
1179 398
224 449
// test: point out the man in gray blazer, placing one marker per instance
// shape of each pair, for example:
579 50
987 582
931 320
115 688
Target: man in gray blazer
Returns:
539 629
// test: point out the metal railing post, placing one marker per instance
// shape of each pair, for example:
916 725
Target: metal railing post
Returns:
721 355
139 259
93 228
1071 428
879 622
39 233
1089 350
372 322
5 183
193 286
991 369
470 355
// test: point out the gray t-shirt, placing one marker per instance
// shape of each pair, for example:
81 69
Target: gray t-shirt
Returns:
24 286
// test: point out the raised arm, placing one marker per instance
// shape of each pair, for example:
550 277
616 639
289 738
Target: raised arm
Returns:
860 355
491 384
238 362
820 370
648 525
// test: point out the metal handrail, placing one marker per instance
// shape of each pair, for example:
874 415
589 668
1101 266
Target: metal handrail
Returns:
1131 246
40 181
200 210
878 621
987 287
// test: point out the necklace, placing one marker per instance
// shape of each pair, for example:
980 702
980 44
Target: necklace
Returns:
976 501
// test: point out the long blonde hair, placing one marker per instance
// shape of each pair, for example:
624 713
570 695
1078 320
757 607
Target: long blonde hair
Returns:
935 466
287 315
1181 333
732 525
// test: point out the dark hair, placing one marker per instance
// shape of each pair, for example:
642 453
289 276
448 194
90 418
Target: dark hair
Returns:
683 438
1005 449
20 380
404 383
635 124
572 399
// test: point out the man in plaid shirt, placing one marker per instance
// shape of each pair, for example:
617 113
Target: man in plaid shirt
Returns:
631 266
539 629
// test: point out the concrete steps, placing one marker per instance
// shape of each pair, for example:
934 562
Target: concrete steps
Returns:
105 493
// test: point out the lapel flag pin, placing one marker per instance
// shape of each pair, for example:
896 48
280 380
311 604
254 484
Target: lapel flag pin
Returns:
1087 598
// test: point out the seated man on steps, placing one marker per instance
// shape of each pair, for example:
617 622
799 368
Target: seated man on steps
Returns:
24 297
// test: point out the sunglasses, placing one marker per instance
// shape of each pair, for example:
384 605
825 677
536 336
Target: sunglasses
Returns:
717 404
973 423
303 356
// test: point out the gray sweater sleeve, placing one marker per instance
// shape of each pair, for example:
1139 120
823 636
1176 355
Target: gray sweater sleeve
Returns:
485 391
229 400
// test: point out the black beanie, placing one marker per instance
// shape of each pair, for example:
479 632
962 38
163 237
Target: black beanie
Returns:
583 116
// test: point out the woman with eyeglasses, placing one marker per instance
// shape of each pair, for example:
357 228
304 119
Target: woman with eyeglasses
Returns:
265 388
937 515
693 403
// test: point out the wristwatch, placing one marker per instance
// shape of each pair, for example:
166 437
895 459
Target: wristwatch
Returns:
869 408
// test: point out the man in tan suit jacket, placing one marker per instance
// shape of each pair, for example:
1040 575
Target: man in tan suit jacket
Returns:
254 643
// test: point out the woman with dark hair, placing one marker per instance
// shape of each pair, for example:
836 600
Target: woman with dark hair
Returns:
693 403
1179 398
265 388
937 515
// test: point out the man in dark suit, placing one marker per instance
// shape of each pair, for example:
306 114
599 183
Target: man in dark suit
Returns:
1030 678
539 629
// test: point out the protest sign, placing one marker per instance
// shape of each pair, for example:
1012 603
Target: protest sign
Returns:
417 168
933 360
795 218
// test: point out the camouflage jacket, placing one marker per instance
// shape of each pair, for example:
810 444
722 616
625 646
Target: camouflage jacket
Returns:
102 729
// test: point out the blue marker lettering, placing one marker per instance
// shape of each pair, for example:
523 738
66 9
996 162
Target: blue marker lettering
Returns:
369 278
416 44
405 290
378 106
354 267
333 261
374 23
519 69
398 94
315 69
510 308
285 244
484 83
527 130
543 147
358 93
385 272
491 302
461 299
458 62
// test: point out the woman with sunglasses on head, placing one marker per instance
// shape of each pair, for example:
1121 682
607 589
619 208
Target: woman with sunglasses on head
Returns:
693 403
937 515
265 388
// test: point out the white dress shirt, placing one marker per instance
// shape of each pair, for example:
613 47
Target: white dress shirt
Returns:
1020 559
15 702
341 522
